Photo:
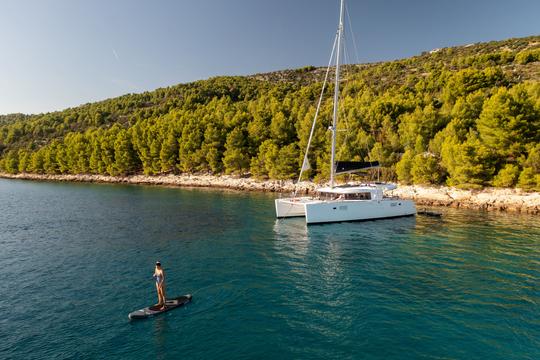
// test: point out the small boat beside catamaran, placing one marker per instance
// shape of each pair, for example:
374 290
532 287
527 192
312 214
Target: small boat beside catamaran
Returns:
344 202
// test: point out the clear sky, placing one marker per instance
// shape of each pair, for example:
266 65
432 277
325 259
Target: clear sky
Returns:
61 53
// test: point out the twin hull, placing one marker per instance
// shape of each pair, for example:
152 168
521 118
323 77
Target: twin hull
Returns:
320 211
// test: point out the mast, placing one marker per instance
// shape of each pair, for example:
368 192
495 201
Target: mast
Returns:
336 95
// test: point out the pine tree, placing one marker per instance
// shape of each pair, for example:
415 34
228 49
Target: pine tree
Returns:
469 164
168 155
235 161
24 160
213 148
37 162
264 164
404 166
425 169
124 155
286 163
11 162
509 120
507 176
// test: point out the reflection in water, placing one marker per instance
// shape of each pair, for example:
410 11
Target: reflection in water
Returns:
292 233
330 266
293 238
161 328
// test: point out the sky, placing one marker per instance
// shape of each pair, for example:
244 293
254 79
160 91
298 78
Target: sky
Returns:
56 54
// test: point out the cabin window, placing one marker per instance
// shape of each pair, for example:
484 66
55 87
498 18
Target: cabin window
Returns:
326 196
359 196
356 196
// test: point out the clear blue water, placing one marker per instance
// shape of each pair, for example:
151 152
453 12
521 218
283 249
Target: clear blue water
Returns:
75 259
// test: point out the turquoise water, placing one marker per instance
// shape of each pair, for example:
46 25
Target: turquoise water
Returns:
75 259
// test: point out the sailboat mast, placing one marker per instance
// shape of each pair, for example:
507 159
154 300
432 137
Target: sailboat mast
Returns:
336 95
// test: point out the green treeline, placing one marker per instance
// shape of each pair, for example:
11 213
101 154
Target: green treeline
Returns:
465 116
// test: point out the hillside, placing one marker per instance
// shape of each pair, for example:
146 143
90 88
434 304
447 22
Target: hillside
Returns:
467 116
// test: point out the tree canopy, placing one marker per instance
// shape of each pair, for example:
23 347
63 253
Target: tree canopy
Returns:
464 116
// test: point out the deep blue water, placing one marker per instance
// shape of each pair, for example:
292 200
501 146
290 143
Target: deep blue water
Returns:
75 259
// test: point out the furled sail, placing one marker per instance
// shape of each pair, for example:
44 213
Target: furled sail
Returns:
343 167
305 165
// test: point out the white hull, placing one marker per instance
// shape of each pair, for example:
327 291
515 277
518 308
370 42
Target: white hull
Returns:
320 211
357 210
291 207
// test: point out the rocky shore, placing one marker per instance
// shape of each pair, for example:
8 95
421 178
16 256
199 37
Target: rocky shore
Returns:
513 200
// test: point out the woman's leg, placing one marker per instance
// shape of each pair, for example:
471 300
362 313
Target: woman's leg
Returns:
158 294
162 297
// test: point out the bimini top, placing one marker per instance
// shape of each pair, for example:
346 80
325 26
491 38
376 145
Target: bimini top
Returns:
344 167
355 189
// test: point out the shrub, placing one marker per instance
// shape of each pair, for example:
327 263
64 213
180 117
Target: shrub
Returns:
507 176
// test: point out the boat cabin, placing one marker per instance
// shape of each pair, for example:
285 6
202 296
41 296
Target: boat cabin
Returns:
366 192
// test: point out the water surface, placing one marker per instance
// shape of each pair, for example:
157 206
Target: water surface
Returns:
75 259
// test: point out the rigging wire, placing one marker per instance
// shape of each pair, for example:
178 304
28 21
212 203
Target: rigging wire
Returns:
347 73
349 33
305 161
347 70
356 53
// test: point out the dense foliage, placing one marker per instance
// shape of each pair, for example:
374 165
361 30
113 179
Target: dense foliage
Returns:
465 116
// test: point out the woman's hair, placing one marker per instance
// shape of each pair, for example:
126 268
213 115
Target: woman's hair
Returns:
158 264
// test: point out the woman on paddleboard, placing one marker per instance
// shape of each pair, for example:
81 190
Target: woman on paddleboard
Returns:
159 275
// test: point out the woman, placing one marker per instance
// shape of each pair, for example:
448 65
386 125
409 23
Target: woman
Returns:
159 275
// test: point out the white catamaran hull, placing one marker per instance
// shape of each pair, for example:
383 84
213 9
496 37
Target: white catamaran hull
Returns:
292 207
357 210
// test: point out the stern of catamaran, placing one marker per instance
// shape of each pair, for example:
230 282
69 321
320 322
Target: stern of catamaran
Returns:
291 207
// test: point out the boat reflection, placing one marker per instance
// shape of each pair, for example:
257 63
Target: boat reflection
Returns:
332 267
326 247
296 233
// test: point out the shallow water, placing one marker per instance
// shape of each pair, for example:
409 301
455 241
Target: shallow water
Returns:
75 259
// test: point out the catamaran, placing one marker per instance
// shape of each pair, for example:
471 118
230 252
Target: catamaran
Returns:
346 202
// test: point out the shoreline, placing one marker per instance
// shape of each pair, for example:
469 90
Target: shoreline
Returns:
488 199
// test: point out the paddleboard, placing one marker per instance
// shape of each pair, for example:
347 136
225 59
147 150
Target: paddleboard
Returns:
155 309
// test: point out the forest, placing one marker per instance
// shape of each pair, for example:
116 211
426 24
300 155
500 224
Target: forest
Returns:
466 116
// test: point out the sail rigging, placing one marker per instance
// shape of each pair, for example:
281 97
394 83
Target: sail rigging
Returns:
305 162
337 50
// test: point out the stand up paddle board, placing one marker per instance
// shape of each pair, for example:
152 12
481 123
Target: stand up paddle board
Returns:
156 310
